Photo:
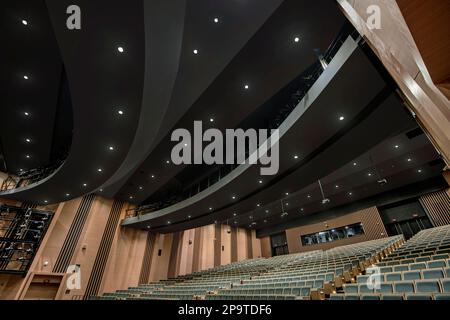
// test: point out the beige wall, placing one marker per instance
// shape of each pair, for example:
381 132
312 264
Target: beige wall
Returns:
369 218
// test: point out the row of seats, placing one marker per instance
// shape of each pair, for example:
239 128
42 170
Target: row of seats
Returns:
407 296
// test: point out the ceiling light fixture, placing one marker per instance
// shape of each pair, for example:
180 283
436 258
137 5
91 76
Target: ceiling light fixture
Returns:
24 22
195 51
216 20
409 159
99 169
153 176
246 87
369 174
211 119
120 49
341 118
419 171
141 187
28 140
27 156
67 194
296 157
25 77
354 163
84 184
120 112
260 181
111 148
101 190
297 39
26 113
45 201
396 146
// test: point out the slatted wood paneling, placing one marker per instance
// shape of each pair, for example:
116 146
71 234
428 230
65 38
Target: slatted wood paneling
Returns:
437 205
147 260
70 243
217 244
101 259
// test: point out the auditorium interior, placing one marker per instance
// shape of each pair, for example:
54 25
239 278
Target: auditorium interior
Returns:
94 207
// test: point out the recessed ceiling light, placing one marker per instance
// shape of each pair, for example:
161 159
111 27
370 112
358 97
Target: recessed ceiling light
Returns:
302 209
24 22
211 119
26 113
267 211
296 157
120 49
287 203
210 209
25 77
233 197
141 187
120 112
111 148
101 190
246 87
309 196
234 214
265 221
369 174
67 194
396 146
153 176
216 20
297 39
350 193
354 163
131 197
189 217
419 171
84 184
195 51
99 169
409 159
260 181
287 193
28 140
258 205
20 169
341 118
168 222
337 186
27 156
148 227
45 201
167 161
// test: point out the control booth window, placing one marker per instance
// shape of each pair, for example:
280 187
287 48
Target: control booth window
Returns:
332 234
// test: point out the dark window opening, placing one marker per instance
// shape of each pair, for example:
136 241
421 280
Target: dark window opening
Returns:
332 234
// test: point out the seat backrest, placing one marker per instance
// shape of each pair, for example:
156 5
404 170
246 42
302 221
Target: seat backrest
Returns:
437 273
336 297
385 269
385 288
392 297
417 296
428 286
369 297
393 276
362 279
417 266
404 287
364 288
436 264
441 296
350 288
412 275
401 267
445 283
351 297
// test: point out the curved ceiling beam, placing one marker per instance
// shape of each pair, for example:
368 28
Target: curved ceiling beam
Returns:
106 90
164 28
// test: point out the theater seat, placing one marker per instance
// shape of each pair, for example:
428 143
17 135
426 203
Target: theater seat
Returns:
350 288
441 296
393 276
417 296
385 288
369 297
336 297
433 274
436 264
364 288
412 275
404 287
417 266
401 267
392 297
351 297
428 286
445 283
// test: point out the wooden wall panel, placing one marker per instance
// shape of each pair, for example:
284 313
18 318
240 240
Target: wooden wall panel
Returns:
266 247
101 259
147 261
369 218
437 205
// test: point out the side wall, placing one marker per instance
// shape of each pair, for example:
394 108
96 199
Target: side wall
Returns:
369 218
